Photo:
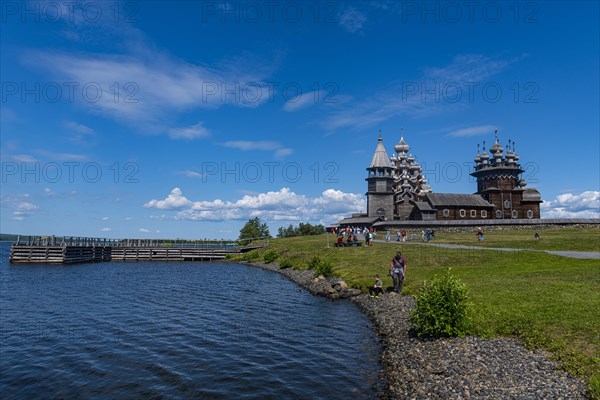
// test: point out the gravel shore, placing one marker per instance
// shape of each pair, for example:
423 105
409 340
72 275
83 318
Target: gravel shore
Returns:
453 368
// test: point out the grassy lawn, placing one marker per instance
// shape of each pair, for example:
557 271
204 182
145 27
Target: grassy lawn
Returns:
582 239
550 302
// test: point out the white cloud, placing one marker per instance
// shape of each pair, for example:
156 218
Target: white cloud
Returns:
49 193
81 134
154 86
174 200
473 131
105 218
193 174
21 206
569 205
25 158
58 156
128 218
352 20
197 131
283 205
437 89
105 229
304 100
260 145
79 128
144 230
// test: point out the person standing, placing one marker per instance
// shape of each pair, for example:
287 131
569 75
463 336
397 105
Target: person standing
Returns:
403 234
398 271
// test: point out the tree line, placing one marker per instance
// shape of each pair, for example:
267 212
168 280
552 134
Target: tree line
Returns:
255 228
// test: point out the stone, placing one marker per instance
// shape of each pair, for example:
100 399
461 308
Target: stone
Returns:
334 296
343 284
337 288
354 292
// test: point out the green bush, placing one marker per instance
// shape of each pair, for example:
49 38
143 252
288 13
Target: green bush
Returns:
285 263
251 256
441 307
270 256
321 267
313 263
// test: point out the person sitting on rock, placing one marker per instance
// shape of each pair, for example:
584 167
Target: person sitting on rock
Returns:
377 289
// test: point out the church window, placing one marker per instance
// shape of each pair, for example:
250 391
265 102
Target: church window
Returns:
515 214
473 213
483 214
498 214
462 213
381 211
446 212
506 204
529 214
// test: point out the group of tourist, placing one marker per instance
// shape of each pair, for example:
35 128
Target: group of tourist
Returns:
351 232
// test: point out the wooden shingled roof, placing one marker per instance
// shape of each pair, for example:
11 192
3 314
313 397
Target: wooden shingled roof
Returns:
453 199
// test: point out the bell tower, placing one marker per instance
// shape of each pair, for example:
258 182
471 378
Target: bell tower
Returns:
380 184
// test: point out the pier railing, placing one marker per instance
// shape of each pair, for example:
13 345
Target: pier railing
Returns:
71 249
94 241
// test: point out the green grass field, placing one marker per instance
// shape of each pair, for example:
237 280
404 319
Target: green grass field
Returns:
550 302
583 239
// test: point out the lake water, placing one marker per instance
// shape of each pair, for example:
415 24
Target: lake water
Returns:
177 330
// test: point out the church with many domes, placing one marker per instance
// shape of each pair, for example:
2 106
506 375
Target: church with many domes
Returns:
397 190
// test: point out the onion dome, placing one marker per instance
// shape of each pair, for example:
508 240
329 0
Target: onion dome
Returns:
401 146
496 146
425 186
484 156
498 156
522 182
510 153
478 156
516 156
411 158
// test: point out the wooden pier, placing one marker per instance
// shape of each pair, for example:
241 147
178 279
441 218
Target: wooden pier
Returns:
68 250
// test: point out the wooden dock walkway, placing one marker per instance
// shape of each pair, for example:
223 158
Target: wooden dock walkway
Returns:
68 250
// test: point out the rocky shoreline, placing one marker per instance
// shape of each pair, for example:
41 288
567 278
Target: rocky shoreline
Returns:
453 368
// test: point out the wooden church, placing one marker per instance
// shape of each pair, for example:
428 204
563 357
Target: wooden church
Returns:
397 189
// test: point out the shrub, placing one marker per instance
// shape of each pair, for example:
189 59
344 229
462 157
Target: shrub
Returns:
313 263
270 256
441 307
321 267
251 256
285 263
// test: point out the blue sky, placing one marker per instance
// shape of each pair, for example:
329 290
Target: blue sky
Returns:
185 119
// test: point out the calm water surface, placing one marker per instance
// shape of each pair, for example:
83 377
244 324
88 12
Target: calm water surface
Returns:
177 330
